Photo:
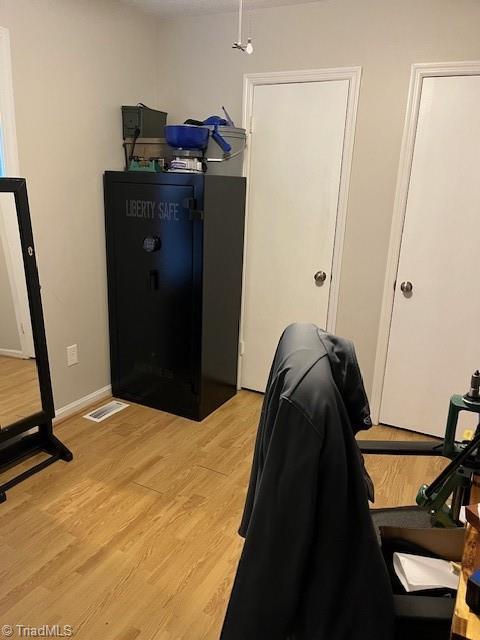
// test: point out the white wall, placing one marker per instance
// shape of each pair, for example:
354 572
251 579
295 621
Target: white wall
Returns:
199 72
75 62
9 338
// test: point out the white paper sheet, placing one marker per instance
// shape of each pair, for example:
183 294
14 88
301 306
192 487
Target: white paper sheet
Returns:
417 573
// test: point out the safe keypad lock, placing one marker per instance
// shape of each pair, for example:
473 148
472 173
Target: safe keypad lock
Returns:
151 244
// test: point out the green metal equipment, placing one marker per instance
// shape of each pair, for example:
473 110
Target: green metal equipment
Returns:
455 480
153 165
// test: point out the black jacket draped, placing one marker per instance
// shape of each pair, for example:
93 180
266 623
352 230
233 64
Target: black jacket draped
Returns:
311 567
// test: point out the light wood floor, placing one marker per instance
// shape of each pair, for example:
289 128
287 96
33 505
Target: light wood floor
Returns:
136 538
19 390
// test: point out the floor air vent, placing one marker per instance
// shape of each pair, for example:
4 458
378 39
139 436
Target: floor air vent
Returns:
107 410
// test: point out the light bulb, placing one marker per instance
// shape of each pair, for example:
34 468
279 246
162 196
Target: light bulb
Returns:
249 47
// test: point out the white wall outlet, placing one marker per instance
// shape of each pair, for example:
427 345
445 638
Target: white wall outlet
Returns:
72 355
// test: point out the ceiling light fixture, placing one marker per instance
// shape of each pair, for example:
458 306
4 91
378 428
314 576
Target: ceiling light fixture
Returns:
246 48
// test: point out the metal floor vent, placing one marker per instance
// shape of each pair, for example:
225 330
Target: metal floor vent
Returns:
107 410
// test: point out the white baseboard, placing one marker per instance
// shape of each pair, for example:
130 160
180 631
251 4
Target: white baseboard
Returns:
80 404
12 353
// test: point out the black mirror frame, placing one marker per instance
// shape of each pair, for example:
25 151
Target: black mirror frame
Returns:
13 447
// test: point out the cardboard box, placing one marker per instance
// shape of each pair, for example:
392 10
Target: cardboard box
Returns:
445 543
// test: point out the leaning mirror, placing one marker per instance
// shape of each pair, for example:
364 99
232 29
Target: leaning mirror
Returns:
19 383
26 402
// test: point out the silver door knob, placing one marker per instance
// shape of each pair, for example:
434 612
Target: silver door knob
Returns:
320 277
406 287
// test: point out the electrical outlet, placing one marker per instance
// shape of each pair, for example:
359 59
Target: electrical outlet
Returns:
72 355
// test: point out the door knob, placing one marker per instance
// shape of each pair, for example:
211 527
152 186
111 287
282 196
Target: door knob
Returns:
406 287
320 277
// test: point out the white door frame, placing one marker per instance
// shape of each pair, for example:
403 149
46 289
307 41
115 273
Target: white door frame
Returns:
252 80
8 226
418 73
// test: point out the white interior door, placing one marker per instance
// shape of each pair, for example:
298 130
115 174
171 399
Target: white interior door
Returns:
434 345
296 150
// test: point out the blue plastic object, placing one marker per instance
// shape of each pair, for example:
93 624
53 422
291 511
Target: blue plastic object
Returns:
216 121
186 136
220 140
472 597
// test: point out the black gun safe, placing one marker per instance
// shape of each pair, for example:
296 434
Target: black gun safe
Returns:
174 263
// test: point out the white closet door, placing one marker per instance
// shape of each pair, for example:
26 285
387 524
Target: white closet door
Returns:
434 341
295 167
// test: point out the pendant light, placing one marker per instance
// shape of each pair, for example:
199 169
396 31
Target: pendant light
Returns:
246 48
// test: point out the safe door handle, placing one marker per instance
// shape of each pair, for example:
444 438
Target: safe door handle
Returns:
153 280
